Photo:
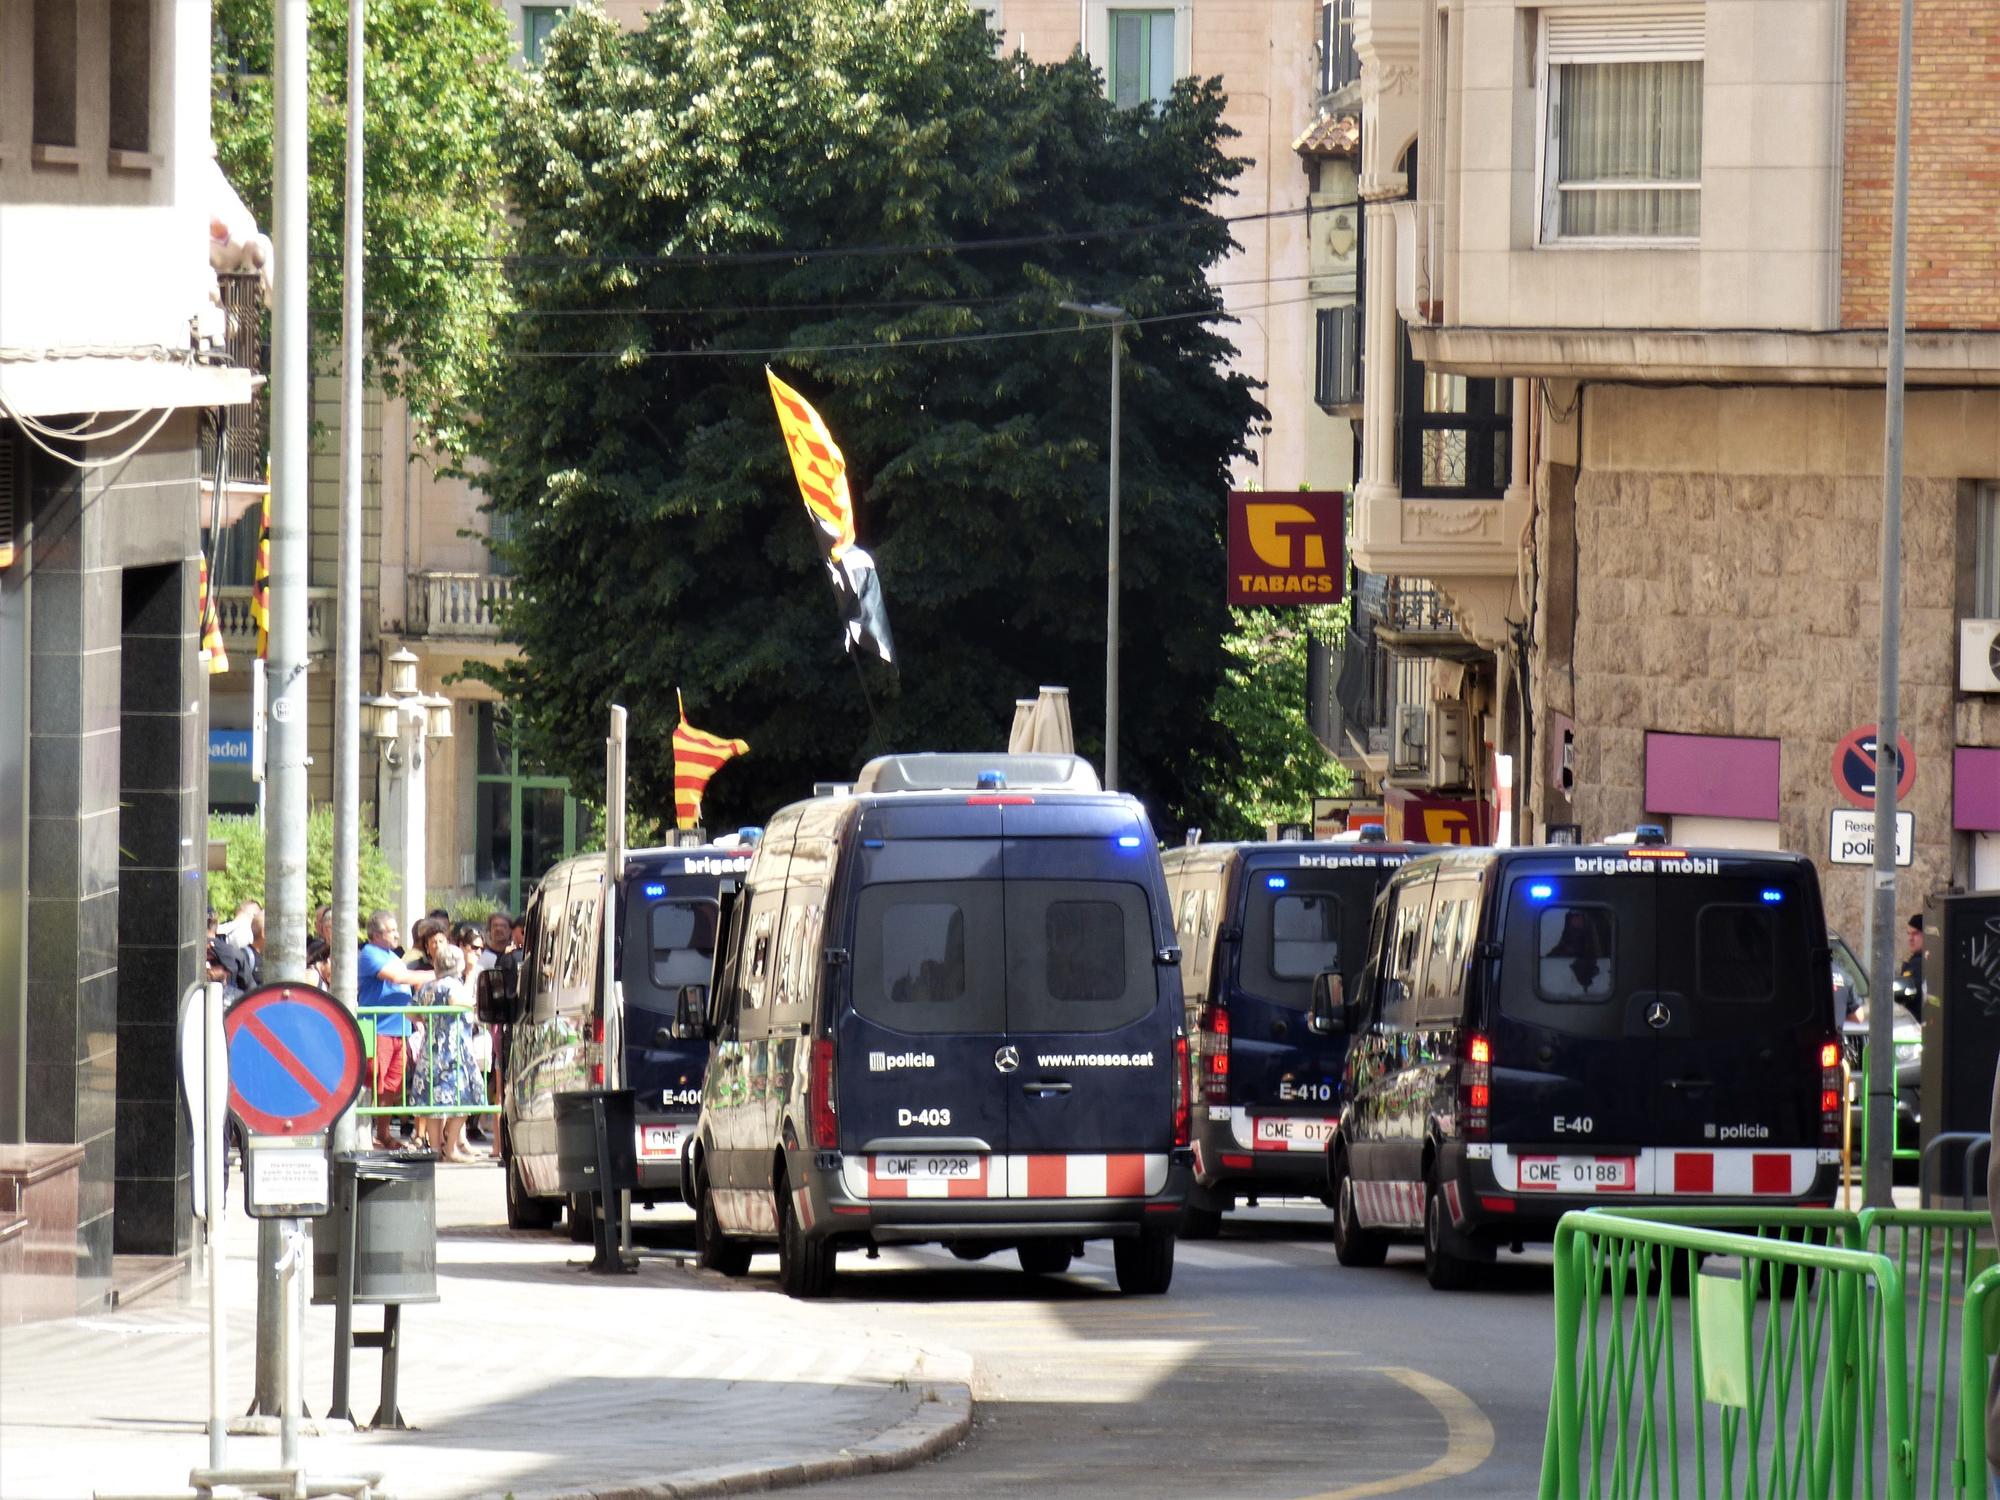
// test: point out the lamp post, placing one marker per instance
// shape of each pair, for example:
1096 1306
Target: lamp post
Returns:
403 721
1105 312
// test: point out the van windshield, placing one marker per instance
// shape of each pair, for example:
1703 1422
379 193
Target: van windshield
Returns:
1299 924
992 956
1733 950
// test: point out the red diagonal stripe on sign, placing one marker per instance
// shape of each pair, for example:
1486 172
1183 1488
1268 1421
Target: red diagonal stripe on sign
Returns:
256 1027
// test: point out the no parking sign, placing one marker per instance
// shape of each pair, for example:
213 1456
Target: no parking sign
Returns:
295 1060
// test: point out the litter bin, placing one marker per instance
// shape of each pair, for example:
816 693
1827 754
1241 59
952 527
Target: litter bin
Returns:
578 1166
392 1198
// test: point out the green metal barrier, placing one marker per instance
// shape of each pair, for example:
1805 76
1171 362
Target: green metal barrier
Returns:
1978 1339
369 1016
1801 1352
1896 1152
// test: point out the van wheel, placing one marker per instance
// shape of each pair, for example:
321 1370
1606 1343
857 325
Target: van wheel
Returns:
1352 1245
805 1264
1144 1263
581 1230
1200 1223
524 1209
1444 1267
713 1250
1044 1257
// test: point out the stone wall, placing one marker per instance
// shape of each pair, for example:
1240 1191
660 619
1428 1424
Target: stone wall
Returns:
1725 564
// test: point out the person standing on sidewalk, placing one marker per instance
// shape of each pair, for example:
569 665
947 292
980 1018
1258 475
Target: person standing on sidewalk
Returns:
385 980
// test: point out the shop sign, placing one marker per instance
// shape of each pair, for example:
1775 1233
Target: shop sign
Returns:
1286 547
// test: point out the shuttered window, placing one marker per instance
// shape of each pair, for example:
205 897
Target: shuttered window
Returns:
1622 147
11 501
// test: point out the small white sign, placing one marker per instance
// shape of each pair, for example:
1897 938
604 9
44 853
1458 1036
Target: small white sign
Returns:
287 1180
1852 837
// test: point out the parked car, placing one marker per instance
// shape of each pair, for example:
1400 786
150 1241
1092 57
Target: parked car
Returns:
1850 990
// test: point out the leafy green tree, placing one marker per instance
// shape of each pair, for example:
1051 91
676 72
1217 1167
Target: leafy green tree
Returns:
633 449
1276 766
437 77
243 879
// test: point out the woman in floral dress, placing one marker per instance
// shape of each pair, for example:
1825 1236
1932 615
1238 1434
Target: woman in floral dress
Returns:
448 1073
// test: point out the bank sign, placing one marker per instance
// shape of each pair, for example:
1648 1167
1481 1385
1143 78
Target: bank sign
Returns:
1286 547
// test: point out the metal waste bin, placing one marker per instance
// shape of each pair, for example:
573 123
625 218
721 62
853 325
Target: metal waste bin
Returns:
579 1168
391 1198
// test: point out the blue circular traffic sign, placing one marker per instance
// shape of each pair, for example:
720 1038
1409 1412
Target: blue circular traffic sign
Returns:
295 1059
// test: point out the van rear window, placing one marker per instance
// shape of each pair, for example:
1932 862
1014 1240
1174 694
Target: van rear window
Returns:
1305 935
1079 955
1575 948
1300 924
928 956
681 943
1736 950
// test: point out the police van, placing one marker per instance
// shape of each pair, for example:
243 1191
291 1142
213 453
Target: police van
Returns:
1541 1029
1258 923
667 915
947 1010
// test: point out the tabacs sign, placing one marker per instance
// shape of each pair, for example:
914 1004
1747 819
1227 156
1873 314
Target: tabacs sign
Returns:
1286 547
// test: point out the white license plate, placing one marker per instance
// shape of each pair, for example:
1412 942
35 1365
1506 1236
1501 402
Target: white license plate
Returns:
1577 1174
657 1141
1281 1131
926 1168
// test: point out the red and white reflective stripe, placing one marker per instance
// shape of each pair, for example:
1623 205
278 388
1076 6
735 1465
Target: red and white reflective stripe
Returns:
802 1207
745 1210
1736 1174
1074 1175
1396 1205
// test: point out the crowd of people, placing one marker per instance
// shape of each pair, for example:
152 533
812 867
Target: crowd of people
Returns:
434 1057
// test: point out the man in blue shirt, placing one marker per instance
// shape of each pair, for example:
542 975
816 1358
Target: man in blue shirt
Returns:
385 980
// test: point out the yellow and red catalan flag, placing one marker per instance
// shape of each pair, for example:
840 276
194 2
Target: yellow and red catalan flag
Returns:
698 755
260 584
212 651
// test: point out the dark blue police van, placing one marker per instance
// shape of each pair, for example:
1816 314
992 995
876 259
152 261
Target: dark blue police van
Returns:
667 915
946 1010
1258 923
1546 1028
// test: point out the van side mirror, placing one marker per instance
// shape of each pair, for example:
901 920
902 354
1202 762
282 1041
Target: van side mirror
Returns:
499 993
691 1013
1328 1012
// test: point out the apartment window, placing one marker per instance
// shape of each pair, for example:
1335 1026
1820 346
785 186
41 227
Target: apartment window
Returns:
1986 552
1452 433
132 75
537 21
1621 157
55 73
1338 357
1142 57
1338 66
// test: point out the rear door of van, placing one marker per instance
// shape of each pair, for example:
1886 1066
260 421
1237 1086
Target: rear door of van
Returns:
1092 1011
669 941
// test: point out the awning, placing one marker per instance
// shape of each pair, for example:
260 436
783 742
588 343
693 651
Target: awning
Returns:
55 387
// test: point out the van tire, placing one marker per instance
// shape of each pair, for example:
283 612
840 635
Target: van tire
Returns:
1352 1245
1044 1257
581 1230
805 1264
713 1250
524 1210
1144 1263
1200 1223
1444 1267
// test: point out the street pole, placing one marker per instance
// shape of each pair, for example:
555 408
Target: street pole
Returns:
1888 764
1111 571
285 745
347 638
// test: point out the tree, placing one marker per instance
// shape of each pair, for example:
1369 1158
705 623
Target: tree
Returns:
1276 766
436 79
659 536
243 878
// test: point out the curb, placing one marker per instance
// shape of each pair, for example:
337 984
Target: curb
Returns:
933 1427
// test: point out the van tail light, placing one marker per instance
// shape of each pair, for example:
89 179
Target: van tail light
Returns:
1832 1093
1214 1022
1183 1094
825 1117
1475 1089
597 1040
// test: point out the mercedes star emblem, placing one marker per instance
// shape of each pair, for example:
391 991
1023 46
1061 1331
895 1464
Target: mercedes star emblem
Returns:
1658 1016
1007 1059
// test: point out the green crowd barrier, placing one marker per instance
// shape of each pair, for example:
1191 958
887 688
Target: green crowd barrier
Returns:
1796 1354
426 1058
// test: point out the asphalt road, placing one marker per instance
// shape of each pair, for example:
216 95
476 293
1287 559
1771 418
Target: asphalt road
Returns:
1267 1371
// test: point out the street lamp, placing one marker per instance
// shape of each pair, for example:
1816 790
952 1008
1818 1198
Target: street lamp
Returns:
1105 312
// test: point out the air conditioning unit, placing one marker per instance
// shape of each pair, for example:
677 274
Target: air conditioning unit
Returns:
1412 733
1979 656
1447 744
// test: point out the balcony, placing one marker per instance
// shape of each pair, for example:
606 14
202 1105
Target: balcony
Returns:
239 631
1417 621
247 437
457 606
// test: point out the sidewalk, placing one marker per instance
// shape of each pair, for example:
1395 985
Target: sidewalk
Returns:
530 1377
